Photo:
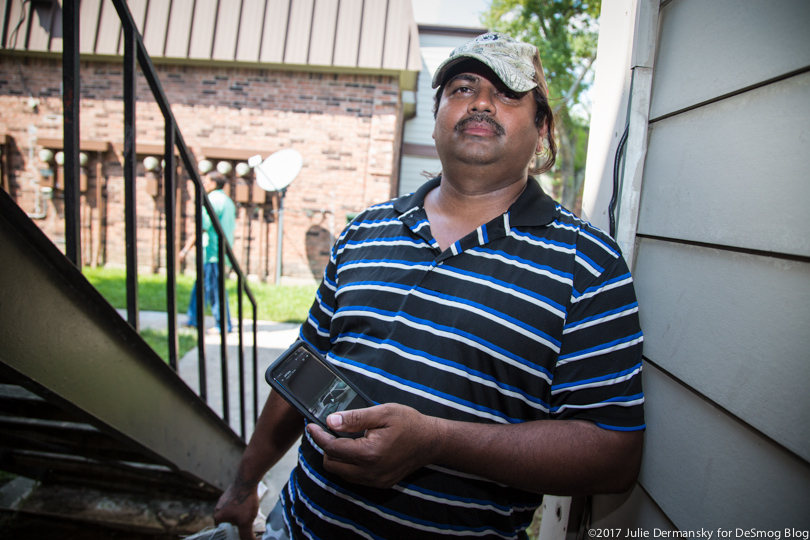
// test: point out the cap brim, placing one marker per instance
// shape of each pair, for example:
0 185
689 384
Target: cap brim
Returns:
518 83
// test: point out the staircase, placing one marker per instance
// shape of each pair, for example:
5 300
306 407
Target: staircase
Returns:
84 401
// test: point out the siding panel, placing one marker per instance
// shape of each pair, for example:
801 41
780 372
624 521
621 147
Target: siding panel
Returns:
202 29
395 54
706 470
757 341
154 31
299 29
109 30
414 60
56 31
411 170
88 24
350 19
179 31
372 34
39 36
380 34
734 172
708 49
419 129
324 24
137 8
227 30
3 6
17 29
250 31
275 31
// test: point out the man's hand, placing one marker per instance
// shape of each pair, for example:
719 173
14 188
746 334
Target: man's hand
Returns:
398 441
239 506
278 427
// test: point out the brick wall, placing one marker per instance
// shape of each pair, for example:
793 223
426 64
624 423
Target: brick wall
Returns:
347 128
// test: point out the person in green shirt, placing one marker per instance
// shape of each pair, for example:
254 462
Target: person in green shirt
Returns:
225 210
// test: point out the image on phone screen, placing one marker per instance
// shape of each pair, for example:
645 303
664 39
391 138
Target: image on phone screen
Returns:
316 387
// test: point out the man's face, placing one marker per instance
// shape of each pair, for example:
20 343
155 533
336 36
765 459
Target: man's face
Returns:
209 184
480 121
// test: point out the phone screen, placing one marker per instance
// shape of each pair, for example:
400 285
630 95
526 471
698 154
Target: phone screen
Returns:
318 389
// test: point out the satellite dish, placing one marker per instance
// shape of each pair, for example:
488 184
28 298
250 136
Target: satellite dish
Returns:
277 171
274 174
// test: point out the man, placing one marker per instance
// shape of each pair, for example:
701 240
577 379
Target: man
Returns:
225 211
498 331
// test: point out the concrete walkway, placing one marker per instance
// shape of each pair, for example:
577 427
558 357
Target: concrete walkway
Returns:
272 339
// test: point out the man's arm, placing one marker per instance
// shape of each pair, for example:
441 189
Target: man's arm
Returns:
561 457
277 428
186 248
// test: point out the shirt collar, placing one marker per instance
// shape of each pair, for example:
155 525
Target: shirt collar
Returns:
532 208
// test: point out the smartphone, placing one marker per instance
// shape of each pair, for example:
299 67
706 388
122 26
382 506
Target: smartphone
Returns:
313 386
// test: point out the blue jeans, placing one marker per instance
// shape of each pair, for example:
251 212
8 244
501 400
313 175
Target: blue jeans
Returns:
210 296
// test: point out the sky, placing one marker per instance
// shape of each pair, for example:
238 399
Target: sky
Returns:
450 12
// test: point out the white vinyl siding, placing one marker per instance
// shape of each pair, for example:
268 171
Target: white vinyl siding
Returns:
715 48
707 469
411 172
733 172
722 272
737 335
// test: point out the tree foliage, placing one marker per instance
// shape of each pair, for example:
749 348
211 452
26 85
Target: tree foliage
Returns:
565 32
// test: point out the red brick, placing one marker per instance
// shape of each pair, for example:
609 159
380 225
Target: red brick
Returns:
346 126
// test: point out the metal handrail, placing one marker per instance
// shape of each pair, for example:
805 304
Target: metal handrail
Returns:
135 54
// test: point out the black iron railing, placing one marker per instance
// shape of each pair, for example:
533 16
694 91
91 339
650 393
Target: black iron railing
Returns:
135 55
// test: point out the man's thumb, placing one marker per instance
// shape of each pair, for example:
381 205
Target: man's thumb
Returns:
347 421
336 422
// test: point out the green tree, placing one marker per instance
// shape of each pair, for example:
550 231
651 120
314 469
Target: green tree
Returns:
565 32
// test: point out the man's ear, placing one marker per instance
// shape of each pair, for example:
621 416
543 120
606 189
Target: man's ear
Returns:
541 138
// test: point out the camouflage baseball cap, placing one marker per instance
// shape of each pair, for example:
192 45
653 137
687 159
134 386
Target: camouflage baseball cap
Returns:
511 60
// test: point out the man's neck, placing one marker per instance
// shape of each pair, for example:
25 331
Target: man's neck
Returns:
456 209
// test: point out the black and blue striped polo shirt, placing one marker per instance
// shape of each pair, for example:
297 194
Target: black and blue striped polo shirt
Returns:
532 316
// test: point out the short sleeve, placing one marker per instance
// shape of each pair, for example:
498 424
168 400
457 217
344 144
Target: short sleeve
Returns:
598 373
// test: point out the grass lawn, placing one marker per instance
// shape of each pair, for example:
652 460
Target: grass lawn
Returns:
280 303
159 341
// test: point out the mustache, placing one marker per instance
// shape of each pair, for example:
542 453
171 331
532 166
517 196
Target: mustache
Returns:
479 118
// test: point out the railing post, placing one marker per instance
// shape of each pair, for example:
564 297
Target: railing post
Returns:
169 198
71 96
130 64
255 366
223 326
240 286
198 290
